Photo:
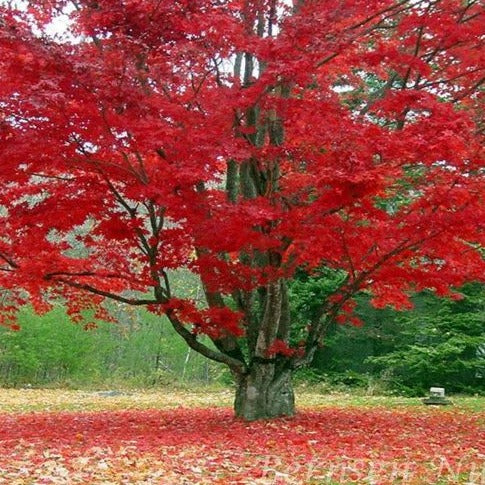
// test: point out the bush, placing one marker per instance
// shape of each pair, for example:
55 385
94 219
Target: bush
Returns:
141 350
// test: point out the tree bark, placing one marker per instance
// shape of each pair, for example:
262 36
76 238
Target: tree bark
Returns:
263 393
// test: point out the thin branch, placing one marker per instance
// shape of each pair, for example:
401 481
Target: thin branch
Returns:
106 294
348 256
9 260
131 210
454 78
378 14
394 9
82 273
470 90
191 340
168 289
327 59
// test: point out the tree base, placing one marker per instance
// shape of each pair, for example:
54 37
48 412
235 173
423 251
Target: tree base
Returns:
260 395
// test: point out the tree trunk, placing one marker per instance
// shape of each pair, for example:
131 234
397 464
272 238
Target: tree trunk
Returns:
264 393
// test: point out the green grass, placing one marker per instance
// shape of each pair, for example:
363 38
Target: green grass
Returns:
310 399
53 400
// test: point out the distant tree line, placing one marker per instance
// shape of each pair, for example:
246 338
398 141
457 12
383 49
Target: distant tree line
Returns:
438 342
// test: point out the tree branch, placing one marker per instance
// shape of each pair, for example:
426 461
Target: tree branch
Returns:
106 294
318 328
234 364
9 260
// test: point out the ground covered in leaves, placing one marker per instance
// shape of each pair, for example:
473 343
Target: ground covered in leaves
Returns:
175 437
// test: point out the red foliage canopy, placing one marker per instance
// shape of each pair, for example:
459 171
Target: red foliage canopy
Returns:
148 136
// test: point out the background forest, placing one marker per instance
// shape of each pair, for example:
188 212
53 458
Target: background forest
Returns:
438 342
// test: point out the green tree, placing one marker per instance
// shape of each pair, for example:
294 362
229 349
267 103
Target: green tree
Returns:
442 344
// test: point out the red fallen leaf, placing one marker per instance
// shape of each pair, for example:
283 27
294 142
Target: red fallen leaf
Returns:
327 437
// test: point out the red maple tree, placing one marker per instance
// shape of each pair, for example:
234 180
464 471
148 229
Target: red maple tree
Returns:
240 140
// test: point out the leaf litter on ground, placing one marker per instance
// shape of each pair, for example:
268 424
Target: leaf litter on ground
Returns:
167 437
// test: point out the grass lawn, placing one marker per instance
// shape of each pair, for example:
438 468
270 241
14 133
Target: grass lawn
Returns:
181 437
